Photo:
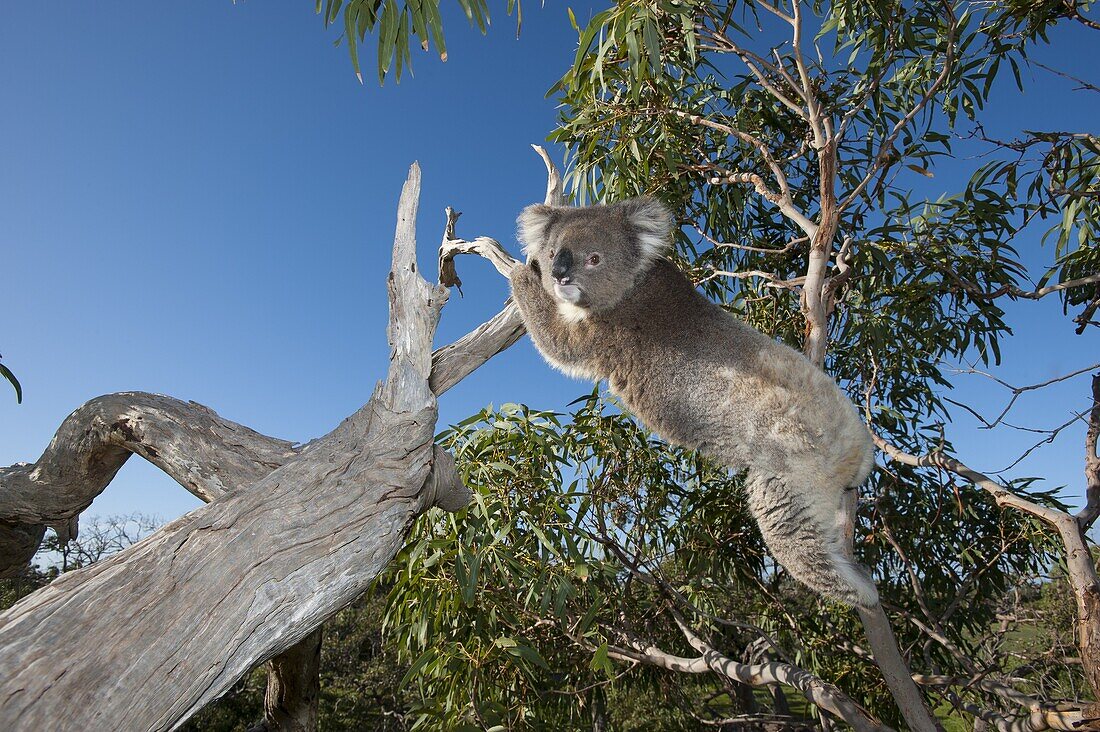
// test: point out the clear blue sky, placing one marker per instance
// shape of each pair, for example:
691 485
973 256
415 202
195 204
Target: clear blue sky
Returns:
198 199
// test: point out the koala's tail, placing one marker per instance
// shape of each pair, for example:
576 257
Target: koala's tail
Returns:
812 553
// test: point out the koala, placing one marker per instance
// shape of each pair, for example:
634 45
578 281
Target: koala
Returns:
602 302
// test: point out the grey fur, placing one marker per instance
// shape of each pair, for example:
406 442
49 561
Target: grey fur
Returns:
699 377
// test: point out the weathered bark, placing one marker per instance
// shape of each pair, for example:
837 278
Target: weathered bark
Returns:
451 364
206 454
144 639
202 451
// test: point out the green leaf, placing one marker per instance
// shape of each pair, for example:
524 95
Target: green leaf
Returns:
350 24
653 45
530 655
388 29
7 374
602 662
423 660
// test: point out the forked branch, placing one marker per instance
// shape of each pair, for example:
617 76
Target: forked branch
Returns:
820 693
1081 569
291 534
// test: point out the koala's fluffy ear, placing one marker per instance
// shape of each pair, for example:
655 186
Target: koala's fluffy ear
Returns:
533 225
652 222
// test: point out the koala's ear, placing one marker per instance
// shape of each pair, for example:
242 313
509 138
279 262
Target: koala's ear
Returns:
652 222
533 226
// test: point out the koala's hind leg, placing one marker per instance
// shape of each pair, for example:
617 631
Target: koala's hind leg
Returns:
813 547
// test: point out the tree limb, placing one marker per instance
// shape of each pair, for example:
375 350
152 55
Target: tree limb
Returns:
818 692
1079 563
205 453
251 573
1014 291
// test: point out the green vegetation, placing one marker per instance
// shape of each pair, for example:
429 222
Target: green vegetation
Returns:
7 374
796 144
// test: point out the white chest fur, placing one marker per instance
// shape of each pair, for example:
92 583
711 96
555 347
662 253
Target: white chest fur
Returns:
571 313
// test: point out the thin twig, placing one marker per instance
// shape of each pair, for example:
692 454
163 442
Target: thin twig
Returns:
888 144
754 62
749 139
745 247
813 110
1017 390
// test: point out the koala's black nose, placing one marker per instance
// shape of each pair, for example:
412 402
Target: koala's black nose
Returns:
563 262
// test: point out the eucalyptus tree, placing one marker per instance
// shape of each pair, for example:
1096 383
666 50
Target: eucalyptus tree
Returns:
796 142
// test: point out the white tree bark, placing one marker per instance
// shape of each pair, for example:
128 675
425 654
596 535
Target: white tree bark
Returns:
206 454
146 638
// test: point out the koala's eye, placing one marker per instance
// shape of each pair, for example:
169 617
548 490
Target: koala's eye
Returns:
552 252
593 260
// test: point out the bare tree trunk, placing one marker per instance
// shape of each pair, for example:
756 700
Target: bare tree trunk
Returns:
1083 578
293 688
146 638
884 646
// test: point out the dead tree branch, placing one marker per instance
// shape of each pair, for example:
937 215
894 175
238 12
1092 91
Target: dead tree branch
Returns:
818 692
291 535
455 362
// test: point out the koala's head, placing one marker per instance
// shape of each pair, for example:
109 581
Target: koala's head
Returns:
592 257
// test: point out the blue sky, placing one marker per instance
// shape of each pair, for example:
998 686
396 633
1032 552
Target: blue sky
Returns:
198 199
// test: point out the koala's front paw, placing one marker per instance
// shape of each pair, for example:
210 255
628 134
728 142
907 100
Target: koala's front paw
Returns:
525 282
